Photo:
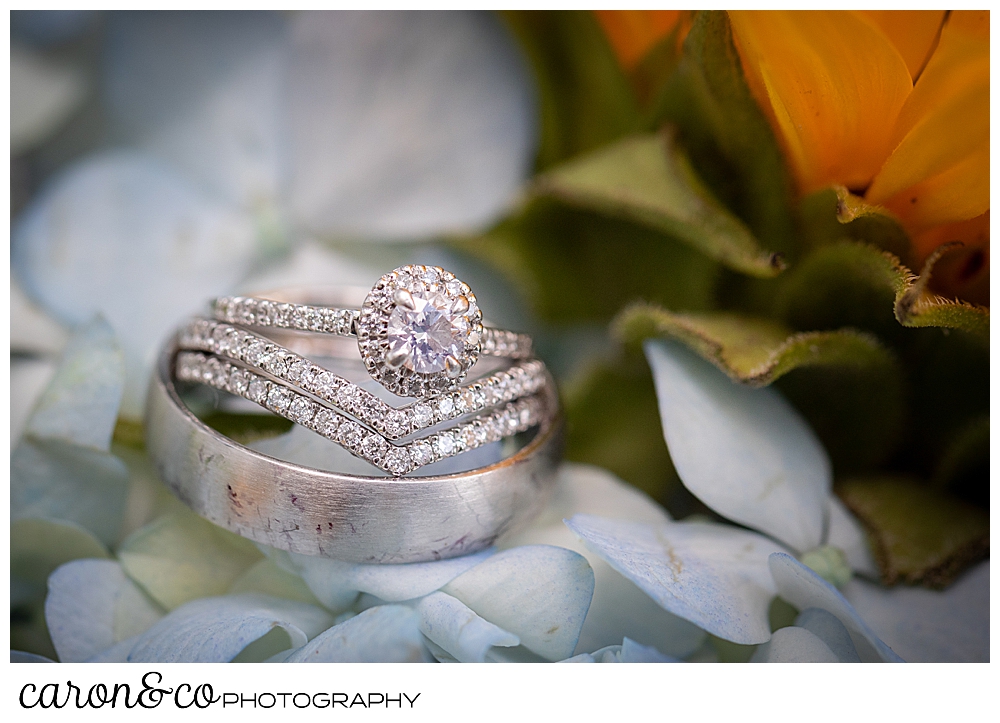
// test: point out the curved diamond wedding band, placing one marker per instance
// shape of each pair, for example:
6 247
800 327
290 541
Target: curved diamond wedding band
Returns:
347 517
419 329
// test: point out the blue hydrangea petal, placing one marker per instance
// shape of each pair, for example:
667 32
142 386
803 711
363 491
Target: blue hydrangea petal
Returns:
336 583
268 578
28 378
181 557
216 629
804 589
715 576
80 404
120 234
538 592
204 91
618 608
794 645
845 532
831 631
746 453
405 125
32 331
382 634
19 656
56 480
633 652
91 606
464 635
38 547
930 626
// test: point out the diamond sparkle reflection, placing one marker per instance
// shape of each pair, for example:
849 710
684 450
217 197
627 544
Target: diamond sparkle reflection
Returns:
428 333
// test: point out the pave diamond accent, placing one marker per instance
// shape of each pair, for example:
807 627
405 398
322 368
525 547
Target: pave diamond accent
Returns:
516 416
519 380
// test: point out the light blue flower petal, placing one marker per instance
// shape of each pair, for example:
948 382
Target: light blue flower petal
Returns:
845 532
29 376
38 547
336 583
80 404
268 578
19 656
794 645
91 606
120 234
216 629
406 124
180 557
458 630
633 652
618 608
746 453
628 652
581 658
382 634
714 575
538 592
825 626
804 589
203 91
60 481
32 330
930 626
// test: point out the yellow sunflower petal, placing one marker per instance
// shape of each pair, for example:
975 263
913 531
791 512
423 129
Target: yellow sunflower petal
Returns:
913 32
633 33
939 171
833 85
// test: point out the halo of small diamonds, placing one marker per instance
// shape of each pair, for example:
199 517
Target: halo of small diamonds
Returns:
419 331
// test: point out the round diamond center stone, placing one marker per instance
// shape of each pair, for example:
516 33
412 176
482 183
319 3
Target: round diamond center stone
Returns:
429 334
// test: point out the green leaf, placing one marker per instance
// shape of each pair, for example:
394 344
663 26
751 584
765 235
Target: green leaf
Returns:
613 422
727 136
585 98
647 179
857 284
835 214
964 466
562 259
917 307
920 535
181 557
846 384
751 350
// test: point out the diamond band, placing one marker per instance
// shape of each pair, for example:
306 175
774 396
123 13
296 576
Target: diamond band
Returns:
512 418
519 380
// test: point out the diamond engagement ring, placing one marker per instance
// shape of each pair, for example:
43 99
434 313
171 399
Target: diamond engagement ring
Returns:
419 329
